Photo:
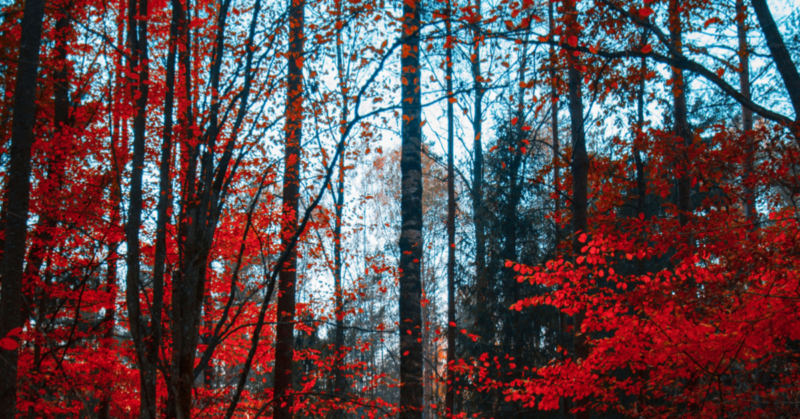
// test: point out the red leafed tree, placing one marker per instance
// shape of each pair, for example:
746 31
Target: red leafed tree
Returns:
586 208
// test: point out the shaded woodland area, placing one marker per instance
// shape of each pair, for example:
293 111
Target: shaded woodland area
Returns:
416 209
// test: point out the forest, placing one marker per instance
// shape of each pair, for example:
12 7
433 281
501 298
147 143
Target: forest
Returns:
416 209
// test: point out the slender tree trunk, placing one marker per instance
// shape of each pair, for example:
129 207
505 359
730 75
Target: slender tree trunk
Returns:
580 177
563 319
18 197
477 168
483 316
411 241
339 379
747 115
287 281
513 332
680 116
104 407
138 65
450 395
554 129
641 185
115 192
164 193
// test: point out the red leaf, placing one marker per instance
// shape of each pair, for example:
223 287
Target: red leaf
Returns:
8 344
645 11
647 49
514 121
572 41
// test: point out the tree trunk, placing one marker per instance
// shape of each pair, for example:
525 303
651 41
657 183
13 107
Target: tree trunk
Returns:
513 334
411 242
450 389
339 379
680 116
554 130
580 178
42 236
747 115
18 197
287 281
137 65
477 169
41 245
641 185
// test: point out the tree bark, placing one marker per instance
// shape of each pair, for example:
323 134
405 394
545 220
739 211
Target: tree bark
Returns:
411 242
18 197
680 118
554 129
164 193
477 168
513 334
138 66
41 243
641 185
283 401
450 389
747 114
580 179
339 379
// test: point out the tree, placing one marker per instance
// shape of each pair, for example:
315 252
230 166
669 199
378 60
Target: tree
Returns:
410 321
17 198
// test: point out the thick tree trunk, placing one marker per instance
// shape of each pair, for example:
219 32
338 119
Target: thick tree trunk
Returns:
18 197
411 242
287 281
450 389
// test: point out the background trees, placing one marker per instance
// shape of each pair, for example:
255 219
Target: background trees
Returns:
358 209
